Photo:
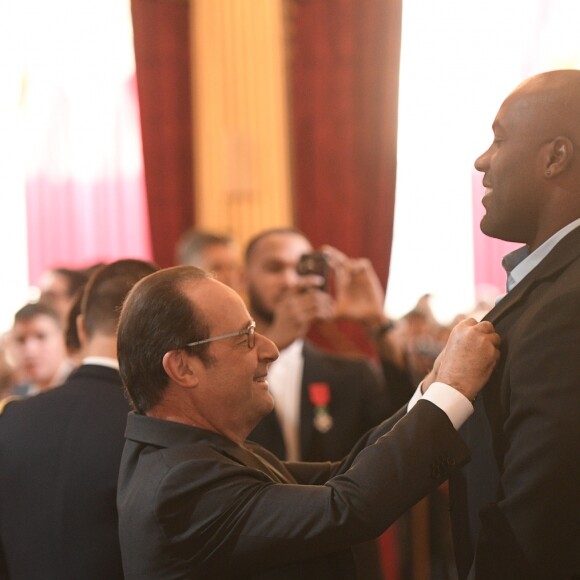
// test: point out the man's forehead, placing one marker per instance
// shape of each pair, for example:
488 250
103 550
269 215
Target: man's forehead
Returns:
280 246
33 326
36 320
221 252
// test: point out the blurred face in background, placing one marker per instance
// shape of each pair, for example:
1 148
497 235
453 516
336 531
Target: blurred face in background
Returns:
55 290
271 270
223 262
38 350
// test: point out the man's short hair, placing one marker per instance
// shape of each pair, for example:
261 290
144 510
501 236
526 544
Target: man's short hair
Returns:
105 291
193 242
253 242
157 317
34 309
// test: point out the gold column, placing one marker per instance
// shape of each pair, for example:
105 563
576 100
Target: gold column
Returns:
240 116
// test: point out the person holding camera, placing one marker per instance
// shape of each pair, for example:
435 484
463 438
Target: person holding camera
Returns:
323 402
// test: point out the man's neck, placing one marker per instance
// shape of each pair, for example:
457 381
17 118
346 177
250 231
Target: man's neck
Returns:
101 346
192 419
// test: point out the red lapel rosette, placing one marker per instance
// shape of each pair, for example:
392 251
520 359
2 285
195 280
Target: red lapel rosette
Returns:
319 394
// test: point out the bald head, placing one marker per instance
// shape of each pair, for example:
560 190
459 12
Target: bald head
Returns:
553 98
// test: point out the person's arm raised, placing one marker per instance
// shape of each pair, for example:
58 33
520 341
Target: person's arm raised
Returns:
298 309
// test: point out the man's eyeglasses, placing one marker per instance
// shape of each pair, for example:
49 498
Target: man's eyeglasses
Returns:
250 331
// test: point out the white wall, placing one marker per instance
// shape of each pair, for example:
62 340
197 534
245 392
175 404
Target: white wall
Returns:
460 59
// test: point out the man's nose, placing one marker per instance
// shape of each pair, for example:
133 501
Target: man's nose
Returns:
267 350
291 277
29 346
481 163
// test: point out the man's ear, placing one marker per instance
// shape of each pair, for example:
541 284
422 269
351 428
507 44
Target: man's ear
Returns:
181 368
560 152
81 331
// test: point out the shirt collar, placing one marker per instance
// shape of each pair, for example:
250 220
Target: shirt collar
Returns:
519 263
103 361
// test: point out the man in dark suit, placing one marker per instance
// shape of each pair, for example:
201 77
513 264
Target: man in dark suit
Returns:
60 453
516 506
324 402
196 500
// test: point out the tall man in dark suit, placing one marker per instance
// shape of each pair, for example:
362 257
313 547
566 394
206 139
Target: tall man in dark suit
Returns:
516 507
60 454
196 500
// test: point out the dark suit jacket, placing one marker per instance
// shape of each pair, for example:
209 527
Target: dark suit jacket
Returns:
59 461
517 504
357 403
193 504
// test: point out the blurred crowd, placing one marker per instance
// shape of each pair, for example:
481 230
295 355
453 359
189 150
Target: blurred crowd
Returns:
42 347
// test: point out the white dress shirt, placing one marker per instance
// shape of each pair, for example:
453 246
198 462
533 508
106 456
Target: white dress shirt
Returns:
285 382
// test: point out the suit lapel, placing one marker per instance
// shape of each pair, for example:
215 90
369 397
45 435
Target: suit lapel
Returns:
490 407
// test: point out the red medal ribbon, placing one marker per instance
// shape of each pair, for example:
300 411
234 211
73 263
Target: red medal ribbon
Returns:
319 394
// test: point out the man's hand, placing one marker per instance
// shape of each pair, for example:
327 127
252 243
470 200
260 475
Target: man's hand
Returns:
297 310
359 294
469 357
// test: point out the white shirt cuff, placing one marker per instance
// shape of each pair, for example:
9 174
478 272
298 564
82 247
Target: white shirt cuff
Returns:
455 405
416 396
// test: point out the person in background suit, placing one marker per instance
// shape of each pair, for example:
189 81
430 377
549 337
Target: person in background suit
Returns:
324 402
516 506
197 500
60 453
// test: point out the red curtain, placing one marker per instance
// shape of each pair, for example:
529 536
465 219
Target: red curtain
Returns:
162 54
344 80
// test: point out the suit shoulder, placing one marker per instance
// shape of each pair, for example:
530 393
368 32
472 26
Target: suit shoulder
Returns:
21 413
6 401
314 352
351 365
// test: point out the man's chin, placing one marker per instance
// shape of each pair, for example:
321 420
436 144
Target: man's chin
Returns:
268 404
263 410
486 226
496 230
